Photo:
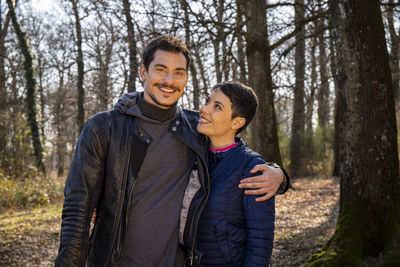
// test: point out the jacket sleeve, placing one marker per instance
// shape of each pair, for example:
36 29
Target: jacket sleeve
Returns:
81 192
259 219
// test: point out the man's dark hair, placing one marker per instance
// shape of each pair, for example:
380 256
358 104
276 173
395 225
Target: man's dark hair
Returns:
166 43
244 100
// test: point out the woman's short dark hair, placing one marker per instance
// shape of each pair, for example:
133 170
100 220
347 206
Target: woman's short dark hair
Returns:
244 100
166 43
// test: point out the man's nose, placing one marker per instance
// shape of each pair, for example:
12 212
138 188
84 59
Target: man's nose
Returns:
168 78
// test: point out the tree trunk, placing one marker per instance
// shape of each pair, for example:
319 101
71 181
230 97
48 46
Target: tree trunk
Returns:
133 64
193 70
202 73
240 44
339 104
394 51
297 138
369 218
309 132
80 120
30 88
323 93
3 92
264 128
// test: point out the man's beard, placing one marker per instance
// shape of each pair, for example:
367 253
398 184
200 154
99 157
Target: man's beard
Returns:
162 104
158 102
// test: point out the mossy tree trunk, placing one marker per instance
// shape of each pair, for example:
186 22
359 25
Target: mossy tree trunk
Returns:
80 119
298 118
369 217
30 88
264 126
133 63
3 92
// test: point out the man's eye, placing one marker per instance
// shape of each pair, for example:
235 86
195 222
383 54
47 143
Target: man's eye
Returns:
179 73
218 107
160 69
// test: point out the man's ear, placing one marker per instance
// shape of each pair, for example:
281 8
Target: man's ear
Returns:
238 123
143 72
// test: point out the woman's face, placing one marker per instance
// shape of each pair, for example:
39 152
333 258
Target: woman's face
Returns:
216 116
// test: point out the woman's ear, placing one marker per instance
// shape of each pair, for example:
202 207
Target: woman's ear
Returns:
238 123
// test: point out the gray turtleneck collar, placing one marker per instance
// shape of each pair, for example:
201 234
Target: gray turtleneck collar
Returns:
153 112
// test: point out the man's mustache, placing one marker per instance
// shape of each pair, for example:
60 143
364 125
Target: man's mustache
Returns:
168 86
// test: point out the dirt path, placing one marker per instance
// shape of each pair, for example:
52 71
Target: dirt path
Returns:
305 219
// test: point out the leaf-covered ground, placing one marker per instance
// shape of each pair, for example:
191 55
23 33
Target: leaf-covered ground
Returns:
305 220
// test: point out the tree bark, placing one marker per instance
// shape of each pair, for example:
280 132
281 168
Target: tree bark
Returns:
80 119
192 67
30 88
339 103
264 126
298 119
3 91
133 64
369 218
323 93
394 51
240 43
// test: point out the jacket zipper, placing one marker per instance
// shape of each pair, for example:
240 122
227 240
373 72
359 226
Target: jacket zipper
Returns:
127 159
198 212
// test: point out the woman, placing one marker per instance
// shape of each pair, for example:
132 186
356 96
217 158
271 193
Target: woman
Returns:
234 229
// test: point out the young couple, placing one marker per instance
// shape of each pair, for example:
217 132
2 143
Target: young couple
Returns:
164 194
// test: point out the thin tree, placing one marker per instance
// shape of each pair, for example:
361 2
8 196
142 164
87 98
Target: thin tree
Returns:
369 218
80 119
133 64
30 88
3 90
298 121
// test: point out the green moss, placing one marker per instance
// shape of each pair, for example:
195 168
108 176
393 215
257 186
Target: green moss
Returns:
345 247
392 242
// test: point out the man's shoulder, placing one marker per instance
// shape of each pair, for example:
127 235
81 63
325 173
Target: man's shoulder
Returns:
192 116
103 120
104 116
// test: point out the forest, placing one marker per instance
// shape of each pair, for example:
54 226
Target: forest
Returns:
327 75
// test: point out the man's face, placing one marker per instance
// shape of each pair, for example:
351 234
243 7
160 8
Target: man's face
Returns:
165 79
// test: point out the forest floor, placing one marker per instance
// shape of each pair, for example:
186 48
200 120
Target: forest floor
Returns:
305 219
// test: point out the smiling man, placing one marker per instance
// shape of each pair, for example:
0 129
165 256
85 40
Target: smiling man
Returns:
132 164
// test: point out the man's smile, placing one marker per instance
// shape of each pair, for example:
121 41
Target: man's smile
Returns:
166 89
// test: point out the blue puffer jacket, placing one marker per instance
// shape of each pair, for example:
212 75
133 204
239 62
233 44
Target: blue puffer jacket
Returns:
234 230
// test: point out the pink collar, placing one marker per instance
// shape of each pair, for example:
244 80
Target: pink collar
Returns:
222 149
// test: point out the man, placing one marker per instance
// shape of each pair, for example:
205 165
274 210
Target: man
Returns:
132 164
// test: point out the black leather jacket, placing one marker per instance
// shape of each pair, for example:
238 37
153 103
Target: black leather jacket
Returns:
108 156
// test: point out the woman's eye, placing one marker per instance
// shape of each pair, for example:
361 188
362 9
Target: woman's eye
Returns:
218 107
